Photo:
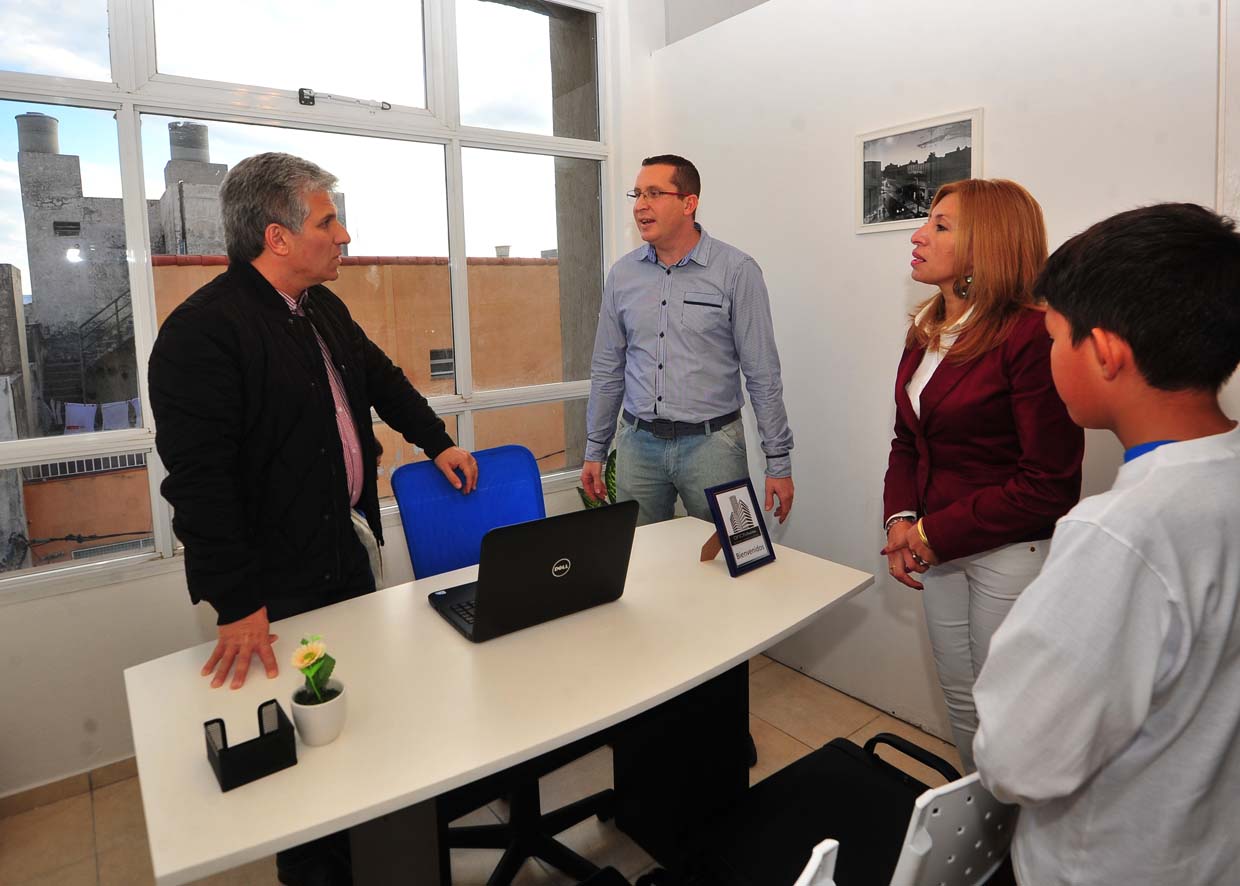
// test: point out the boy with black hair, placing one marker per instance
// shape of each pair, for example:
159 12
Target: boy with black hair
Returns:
1109 707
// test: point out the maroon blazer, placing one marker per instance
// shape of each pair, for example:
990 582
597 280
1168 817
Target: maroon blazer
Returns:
994 458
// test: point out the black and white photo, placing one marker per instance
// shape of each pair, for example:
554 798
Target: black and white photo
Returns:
900 168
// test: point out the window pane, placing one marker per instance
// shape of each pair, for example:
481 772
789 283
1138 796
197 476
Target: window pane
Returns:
67 361
63 40
529 67
533 239
369 49
73 512
395 277
397 451
554 432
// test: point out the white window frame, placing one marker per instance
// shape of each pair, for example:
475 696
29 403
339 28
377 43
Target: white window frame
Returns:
139 89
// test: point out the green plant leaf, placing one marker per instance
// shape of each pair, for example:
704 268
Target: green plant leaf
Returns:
310 693
587 501
326 664
609 477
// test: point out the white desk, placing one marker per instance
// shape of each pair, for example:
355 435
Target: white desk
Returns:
430 711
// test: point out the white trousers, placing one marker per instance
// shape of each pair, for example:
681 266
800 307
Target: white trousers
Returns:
965 601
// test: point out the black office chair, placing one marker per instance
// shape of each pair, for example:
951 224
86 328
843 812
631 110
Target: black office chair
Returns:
840 791
444 531
529 832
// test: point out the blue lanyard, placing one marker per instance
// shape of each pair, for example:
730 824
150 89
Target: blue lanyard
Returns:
1141 448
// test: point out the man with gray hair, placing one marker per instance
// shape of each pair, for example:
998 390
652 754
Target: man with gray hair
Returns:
261 387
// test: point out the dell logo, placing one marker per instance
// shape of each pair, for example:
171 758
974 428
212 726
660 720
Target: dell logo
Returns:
560 568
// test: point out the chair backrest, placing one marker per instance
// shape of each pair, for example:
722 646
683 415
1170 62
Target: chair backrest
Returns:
444 528
821 868
958 835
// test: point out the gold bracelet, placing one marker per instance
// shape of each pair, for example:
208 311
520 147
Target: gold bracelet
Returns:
922 533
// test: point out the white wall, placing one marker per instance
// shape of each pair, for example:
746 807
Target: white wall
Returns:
637 31
687 17
62 694
1095 107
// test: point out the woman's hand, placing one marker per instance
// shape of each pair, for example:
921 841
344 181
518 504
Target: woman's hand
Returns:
923 555
907 554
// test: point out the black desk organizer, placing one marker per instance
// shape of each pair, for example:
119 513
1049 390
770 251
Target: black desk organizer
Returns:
273 750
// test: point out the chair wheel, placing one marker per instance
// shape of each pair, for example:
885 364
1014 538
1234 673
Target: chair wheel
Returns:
657 877
606 815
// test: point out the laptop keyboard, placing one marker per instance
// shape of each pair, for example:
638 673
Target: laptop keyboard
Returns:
465 610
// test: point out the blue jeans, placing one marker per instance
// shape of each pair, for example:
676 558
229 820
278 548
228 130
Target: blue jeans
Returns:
652 471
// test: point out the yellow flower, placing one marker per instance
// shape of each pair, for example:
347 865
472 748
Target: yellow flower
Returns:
308 653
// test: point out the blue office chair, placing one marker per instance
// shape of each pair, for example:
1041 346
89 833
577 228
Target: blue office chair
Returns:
443 528
444 531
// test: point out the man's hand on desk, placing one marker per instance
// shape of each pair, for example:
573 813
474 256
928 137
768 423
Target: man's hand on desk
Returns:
781 488
238 641
455 458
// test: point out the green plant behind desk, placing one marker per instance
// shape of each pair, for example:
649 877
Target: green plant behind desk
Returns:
316 666
609 480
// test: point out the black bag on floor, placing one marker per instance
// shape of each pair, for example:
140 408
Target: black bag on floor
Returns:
841 791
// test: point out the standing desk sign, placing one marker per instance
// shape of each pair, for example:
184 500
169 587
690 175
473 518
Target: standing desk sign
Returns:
740 527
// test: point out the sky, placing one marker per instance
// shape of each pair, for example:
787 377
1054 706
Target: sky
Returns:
395 190
915 146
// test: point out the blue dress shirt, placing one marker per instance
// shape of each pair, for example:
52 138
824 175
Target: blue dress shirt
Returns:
673 341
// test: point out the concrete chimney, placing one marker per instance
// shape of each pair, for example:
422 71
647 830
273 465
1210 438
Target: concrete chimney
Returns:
189 141
38 133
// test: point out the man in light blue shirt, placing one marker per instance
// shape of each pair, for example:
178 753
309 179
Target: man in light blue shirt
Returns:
681 318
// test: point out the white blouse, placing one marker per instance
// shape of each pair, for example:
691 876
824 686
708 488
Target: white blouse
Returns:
930 362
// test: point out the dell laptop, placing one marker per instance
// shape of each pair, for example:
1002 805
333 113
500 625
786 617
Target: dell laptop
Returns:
529 573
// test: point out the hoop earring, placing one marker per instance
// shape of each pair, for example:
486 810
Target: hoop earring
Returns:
963 291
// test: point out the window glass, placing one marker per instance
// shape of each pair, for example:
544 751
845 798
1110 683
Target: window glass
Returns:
529 67
66 513
391 196
67 360
554 432
368 49
533 239
56 38
398 451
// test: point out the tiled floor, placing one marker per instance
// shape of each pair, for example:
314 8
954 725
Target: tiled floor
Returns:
99 838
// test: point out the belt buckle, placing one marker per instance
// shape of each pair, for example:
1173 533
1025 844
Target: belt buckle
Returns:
663 428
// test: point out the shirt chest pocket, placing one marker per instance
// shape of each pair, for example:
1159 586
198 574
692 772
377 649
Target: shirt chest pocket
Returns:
703 311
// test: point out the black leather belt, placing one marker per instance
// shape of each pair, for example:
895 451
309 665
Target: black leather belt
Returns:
667 429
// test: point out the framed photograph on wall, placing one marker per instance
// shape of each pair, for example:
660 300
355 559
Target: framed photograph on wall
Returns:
739 526
900 169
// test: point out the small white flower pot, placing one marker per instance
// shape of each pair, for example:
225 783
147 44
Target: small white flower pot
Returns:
318 724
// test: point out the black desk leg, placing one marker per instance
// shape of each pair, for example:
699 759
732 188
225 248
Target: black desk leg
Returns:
401 849
677 765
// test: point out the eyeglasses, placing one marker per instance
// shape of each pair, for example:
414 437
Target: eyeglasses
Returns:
653 194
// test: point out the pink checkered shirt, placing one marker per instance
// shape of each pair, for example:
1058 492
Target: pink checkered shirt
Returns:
350 443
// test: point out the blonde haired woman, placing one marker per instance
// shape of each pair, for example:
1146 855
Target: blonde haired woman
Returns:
985 458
